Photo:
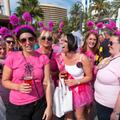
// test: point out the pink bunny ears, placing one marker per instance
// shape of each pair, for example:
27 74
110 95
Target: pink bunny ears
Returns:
100 25
50 26
15 21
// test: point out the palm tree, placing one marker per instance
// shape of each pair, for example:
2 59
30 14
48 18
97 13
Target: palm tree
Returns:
76 16
115 5
31 6
100 8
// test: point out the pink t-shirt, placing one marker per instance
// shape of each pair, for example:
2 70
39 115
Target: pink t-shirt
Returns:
17 63
53 64
107 84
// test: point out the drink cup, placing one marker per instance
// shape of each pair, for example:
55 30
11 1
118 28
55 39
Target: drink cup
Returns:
64 74
28 80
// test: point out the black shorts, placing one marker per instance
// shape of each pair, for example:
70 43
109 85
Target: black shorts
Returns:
32 111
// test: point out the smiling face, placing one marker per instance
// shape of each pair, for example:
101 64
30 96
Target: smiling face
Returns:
114 45
46 39
64 44
9 43
27 41
91 41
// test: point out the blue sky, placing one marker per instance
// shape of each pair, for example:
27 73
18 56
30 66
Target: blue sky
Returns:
63 3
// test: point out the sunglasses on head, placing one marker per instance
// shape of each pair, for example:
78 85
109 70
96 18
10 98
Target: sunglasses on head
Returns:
48 38
10 42
30 39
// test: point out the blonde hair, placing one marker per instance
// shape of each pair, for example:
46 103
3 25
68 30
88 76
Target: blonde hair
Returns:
45 33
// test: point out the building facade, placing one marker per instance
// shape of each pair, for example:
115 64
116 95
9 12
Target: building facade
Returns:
53 12
86 4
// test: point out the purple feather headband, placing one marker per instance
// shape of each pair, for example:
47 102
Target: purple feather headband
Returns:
25 26
3 30
27 17
14 20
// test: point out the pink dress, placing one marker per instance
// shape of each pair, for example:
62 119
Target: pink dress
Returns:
83 93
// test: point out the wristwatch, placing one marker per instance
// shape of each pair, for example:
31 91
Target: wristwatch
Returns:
116 113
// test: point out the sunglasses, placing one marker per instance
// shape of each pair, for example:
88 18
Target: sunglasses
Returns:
24 40
48 38
9 42
111 43
2 48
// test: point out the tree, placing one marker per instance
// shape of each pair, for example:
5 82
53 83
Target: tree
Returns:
115 6
76 16
32 6
100 8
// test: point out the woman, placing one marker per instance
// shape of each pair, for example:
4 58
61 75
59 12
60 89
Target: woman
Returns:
3 91
79 70
90 48
26 73
10 43
107 84
46 40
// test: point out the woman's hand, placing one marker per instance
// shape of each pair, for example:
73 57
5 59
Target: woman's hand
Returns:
47 114
24 88
63 74
71 82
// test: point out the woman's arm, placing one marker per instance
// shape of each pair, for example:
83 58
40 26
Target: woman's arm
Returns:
87 68
7 83
48 91
116 112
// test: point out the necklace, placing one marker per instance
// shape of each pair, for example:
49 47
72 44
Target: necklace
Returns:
106 61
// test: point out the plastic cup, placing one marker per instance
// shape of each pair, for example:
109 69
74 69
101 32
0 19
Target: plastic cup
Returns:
28 80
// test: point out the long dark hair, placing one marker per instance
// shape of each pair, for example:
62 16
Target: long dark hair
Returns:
72 42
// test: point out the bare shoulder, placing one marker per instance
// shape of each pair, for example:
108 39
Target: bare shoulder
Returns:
83 57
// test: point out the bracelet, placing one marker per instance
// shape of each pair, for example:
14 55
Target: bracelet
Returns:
117 113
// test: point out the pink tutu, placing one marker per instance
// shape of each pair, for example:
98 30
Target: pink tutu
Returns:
82 95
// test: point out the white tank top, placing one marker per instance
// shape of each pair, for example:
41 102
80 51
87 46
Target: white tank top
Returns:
77 73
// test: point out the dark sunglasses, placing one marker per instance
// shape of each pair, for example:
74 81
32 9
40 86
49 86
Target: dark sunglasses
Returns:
48 38
2 48
30 39
10 42
111 43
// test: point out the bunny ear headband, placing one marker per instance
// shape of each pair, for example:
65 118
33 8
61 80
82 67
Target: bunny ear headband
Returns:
46 28
50 26
96 27
15 20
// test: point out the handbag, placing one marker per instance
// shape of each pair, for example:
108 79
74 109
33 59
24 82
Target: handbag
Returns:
62 99
68 101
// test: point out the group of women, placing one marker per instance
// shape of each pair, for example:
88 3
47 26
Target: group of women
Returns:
30 75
